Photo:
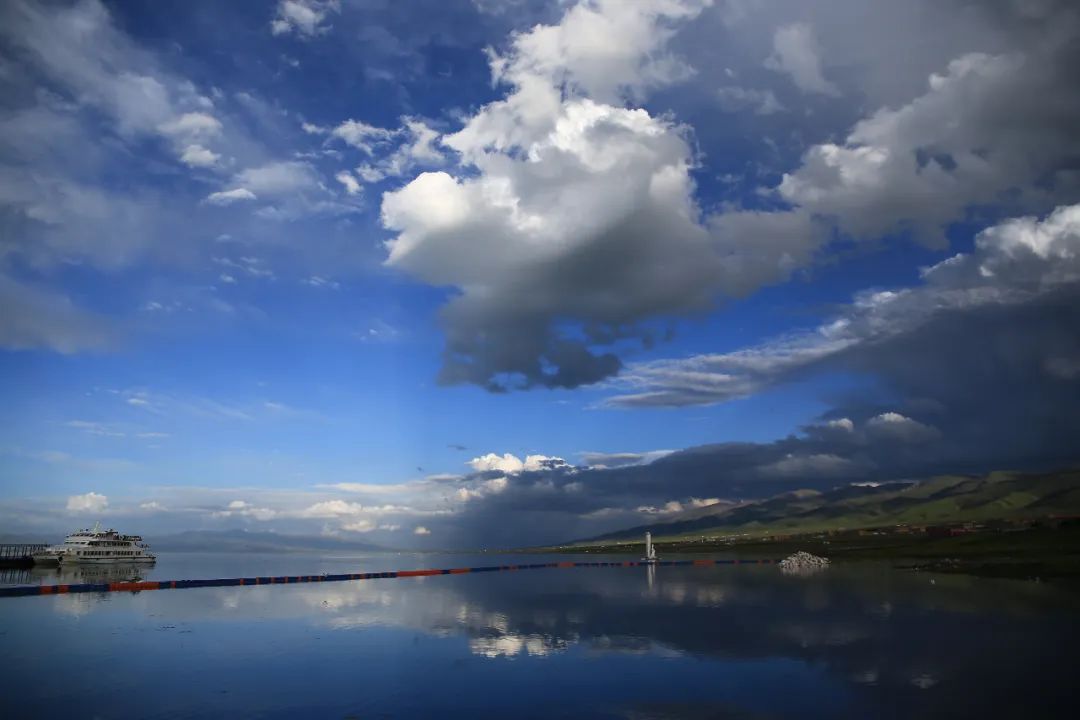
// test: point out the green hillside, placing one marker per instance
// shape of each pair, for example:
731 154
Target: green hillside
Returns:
939 500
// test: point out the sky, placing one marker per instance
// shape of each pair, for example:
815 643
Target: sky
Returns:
483 273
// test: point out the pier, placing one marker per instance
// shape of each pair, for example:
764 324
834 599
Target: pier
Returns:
23 590
19 554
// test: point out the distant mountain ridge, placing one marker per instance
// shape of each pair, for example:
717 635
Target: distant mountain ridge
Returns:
238 541
940 500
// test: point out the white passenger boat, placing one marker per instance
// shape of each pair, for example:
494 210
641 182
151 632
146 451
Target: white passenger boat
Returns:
96 546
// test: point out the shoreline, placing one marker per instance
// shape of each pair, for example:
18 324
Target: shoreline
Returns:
1041 554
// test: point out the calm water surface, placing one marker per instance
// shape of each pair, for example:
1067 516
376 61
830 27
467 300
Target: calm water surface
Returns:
858 641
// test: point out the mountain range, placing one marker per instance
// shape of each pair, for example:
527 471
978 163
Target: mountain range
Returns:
935 501
239 541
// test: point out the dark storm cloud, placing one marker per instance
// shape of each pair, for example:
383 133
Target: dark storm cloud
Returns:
1017 264
1003 382
563 502
874 444
978 369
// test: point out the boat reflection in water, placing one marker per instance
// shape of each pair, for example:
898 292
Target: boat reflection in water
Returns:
69 574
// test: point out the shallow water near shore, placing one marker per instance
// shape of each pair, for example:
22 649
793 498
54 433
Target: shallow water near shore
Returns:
858 640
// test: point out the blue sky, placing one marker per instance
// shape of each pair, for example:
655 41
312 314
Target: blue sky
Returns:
321 267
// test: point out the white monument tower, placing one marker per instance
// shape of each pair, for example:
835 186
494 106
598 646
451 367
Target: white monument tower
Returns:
650 551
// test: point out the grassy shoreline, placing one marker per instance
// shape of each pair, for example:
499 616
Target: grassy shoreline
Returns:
1037 553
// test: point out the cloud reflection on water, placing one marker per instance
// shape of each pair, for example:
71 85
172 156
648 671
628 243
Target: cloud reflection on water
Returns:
876 634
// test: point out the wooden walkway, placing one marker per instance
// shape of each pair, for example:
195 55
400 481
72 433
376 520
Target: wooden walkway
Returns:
18 554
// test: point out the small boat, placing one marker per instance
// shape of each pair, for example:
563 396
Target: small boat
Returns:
650 551
48 556
96 546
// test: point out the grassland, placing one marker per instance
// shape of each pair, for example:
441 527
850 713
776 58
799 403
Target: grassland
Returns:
936 501
1002 524
1039 552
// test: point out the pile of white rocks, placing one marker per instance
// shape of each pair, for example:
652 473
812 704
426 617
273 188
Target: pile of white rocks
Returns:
803 563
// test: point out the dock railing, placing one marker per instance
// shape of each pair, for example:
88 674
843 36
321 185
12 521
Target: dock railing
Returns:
19 552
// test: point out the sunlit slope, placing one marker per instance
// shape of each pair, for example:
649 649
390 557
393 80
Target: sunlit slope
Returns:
939 500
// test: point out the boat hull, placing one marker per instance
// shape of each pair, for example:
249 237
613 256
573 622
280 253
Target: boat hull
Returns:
75 560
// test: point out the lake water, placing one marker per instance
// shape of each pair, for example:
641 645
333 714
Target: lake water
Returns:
858 641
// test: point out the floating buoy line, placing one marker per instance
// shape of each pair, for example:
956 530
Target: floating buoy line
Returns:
139 586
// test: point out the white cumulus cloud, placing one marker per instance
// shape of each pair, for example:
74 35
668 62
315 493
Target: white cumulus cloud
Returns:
305 18
917 167
352 187
568 207
228 197
198 156
897 426
513 465
91 502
